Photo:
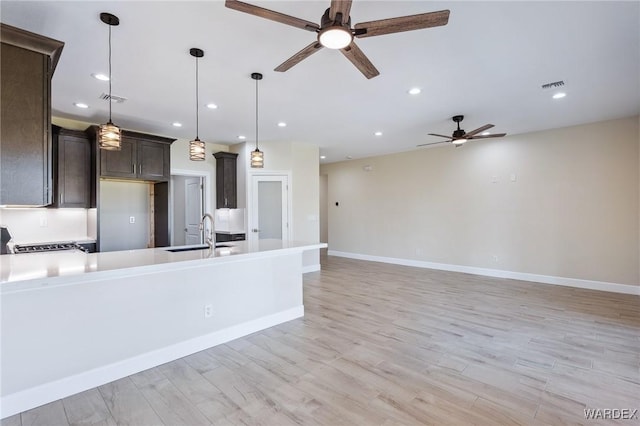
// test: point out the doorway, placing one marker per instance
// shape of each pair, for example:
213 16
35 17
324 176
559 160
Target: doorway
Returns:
269 207
189 201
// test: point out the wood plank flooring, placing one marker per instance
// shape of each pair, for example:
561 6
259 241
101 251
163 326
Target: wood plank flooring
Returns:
391 345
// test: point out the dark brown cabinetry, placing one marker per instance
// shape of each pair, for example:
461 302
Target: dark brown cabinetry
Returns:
141 157
226 180
26 67
73 169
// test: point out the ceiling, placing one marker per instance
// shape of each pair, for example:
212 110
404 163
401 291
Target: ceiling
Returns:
488 63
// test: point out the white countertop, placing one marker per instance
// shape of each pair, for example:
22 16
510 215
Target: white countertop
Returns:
32 270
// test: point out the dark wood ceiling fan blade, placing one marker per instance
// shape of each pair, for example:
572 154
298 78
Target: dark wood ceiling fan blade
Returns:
403 23
303 54
272 15
360 60
432 143
496 135
340 6
478 130
442 136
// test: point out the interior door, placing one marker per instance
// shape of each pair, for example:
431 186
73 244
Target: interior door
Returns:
193 210
269 207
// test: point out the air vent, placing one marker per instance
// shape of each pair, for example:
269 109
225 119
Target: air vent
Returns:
114 98
553 85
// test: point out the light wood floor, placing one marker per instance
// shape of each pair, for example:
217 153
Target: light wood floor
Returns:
389 345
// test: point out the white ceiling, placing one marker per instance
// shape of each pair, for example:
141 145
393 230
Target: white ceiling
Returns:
488 63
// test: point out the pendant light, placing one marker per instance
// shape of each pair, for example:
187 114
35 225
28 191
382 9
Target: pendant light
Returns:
109 134
196 146
257 156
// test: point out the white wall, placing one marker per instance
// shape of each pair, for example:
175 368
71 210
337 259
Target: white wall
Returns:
562 203
36 225
105 327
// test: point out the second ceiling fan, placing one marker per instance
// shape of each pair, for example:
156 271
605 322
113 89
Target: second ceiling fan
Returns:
335 32
459 136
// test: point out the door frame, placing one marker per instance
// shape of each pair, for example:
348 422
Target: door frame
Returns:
251 207
206 196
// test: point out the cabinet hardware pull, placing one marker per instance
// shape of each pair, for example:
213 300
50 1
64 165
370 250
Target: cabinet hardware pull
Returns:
140 168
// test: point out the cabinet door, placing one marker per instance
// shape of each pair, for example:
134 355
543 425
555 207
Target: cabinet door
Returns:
25 138
119 163
73 171
153 161
226 180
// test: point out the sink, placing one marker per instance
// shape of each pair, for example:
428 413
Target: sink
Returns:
192 248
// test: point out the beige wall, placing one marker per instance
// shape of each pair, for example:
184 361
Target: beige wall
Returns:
180 161
302 160
561 203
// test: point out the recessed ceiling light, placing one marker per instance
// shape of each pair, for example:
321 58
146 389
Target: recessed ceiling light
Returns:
348 157
282 124
322 157
212 106
414 90
559 95
176 124
378 133
242 137
100 77
81 105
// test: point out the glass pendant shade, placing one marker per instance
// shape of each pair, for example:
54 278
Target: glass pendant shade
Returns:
109 137
196 150
196 146
257 156
257 159
109 134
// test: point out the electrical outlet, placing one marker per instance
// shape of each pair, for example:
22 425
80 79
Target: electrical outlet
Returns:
496 258
208 311
43 222
132 219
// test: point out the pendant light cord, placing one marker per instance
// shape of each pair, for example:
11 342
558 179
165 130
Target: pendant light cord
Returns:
256 114
197 103
110 100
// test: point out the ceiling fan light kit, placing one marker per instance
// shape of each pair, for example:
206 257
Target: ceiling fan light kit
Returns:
335 31
109 134
335 37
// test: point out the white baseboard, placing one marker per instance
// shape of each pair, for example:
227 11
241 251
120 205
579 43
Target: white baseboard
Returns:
43 394
498 273
310 268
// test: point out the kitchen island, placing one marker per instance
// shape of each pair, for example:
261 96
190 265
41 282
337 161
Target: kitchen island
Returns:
72 321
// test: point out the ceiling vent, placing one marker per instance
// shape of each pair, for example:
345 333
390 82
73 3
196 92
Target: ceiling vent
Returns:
553 85
114 98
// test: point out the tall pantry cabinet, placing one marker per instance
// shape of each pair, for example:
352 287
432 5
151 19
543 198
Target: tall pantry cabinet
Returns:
27 62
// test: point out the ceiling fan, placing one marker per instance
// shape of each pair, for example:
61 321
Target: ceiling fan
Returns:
459 136
335 30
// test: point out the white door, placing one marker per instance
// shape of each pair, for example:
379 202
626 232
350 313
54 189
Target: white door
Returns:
269 211
193 210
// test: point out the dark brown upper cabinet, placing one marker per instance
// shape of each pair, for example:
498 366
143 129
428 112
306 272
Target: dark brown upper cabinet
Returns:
73 169
226 180
141 157
27 63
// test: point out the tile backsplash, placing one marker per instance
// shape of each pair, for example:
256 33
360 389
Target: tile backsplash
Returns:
39 225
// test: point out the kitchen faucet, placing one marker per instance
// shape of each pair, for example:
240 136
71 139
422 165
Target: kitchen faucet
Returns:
210 238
